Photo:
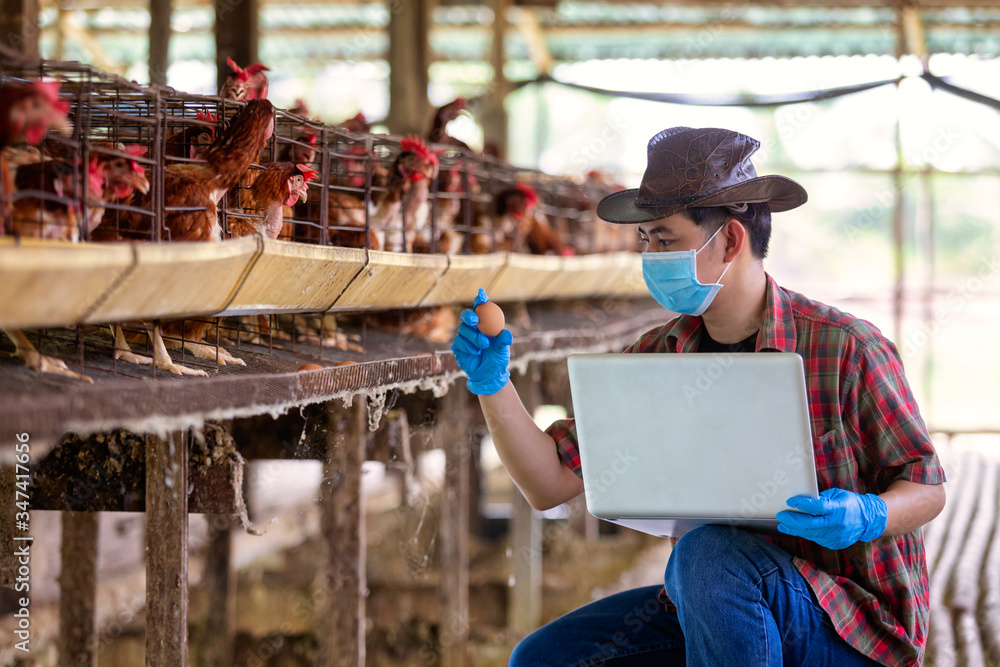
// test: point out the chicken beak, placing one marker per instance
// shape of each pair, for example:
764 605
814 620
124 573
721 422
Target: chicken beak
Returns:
139 182
303 193
61 124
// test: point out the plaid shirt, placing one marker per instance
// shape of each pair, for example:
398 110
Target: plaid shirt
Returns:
867 433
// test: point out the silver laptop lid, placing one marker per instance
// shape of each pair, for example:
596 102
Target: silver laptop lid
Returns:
704 436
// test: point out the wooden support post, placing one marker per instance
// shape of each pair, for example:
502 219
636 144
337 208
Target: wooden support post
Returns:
78 590
409 60
167 551
20 27
494 114
220 582
524 610
236 34
454 630
160 12
343 579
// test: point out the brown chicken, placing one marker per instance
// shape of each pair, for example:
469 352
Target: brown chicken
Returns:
438 133
192 142
405 203
245 84
278 186
407 181
123 178
195 189
458 188
44 218
300 108
27 112
520 227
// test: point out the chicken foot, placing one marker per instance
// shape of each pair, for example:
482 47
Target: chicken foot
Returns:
203 351
37 361
161 359
123 352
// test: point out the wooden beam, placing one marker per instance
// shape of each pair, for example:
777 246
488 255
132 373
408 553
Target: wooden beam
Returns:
409 59
524 610
343 578
78 590
20 26
220 583
166 551
454 529
237 35
159 40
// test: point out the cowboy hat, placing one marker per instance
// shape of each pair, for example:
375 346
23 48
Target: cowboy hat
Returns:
688 167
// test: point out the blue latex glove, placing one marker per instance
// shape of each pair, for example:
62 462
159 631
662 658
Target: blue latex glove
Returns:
836 520
483 358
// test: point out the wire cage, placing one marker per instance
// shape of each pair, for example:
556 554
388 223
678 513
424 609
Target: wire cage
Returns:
107 181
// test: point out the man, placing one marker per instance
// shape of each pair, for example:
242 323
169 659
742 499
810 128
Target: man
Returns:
845 583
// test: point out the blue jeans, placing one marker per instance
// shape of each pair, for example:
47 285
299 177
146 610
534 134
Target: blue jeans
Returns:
740 601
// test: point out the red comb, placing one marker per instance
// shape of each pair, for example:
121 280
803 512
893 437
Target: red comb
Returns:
238 71
530 196
207 116
47 89
307 173
415 144
135 150
311 137
257 67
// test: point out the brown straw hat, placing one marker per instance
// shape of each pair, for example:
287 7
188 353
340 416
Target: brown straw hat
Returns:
688 167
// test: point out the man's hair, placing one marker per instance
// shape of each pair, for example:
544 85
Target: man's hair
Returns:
756 219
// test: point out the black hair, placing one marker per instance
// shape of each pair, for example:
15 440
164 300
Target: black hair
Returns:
756 219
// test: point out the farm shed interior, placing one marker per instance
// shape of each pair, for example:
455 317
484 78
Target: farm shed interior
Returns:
251 513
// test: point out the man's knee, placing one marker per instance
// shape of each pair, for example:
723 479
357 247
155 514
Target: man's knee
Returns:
529 651
696 558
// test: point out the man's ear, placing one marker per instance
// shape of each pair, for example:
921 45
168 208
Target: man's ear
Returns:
735 237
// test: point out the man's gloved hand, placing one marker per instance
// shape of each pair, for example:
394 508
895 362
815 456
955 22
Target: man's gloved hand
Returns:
483 358
837 519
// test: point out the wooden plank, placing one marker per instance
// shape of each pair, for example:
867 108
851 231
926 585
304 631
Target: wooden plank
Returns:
159 40
78 590
166 551
524 610
454 529
343 579
220 582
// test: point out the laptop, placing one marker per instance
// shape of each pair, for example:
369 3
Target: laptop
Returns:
670 442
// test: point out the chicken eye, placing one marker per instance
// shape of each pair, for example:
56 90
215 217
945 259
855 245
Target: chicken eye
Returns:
298 180
204 138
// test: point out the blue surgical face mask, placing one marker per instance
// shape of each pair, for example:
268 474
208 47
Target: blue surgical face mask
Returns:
672 279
